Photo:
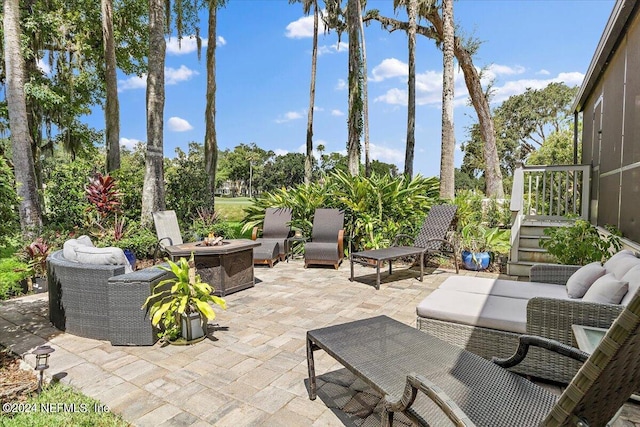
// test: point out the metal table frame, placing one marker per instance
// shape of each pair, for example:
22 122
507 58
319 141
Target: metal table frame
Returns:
386 254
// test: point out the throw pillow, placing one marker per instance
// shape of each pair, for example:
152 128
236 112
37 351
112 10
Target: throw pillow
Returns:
606 290
633 277
69 247
583 278
621 263
103 256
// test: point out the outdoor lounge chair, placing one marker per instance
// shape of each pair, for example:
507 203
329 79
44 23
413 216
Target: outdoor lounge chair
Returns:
327 239
167 230
430 240
275 231
432 381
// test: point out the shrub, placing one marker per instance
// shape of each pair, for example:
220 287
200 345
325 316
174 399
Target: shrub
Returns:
12 273
580 243
140 240
65 198
9 221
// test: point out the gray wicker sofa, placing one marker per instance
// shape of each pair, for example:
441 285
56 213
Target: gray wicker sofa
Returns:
100 301
486 316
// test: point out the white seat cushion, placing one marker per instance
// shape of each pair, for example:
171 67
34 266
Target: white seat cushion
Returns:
607 290
69 247
583 278
621 263
504 288
102 256
488 311
633 277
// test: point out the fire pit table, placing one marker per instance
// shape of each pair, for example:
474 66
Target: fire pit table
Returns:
227 267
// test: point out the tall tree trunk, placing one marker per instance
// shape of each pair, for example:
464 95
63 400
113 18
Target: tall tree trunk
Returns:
493 174
447 176
412 11
308 161
365 98
21 141
355 99
210 141
153 188
112 108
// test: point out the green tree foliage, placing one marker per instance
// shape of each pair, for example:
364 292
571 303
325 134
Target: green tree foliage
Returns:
234 165
376 208
581 243
64 194
557 149
9 224
283 171
130 179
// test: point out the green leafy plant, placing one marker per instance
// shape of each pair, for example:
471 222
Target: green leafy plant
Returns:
477 238
581 243
37 252
183 294
12 273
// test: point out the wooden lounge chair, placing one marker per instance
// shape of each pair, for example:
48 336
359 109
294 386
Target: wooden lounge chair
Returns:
167 230
327 239
433 382
275 231
430 240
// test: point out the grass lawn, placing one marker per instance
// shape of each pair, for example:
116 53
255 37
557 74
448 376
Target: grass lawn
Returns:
232 208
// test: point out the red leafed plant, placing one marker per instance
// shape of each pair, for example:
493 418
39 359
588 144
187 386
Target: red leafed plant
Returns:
38 251
103 195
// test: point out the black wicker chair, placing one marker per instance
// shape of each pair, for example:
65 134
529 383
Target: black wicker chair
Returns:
275 230
327 239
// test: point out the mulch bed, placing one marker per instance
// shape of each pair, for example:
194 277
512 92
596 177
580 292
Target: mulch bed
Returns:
16 384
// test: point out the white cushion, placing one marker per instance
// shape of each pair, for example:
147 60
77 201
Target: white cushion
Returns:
621 262
504 288
583 278
69 247
488 311
633 277
102 256
606 290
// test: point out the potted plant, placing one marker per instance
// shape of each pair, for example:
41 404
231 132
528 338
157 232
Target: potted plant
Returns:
38 251
181 304
480 244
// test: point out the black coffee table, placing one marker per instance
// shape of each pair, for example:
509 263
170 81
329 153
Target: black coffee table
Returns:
377 256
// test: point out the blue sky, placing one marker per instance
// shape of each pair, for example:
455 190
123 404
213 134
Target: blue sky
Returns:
263 74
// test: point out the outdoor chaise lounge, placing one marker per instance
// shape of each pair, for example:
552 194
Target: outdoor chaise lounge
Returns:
431 239
486 316
434 382
275 231
327 239
167 230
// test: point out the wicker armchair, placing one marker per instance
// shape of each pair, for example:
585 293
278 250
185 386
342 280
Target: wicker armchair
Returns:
275 230
327 239
100 301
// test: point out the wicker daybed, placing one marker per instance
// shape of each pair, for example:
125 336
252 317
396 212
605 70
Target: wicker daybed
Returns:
538 307
100 301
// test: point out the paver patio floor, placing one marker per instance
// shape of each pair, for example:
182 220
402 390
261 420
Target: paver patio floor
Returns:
253 371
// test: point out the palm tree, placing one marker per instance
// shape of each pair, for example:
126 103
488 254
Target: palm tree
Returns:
365 97
153 187
355 84
210 140
21 141
447 179
412 12
112 109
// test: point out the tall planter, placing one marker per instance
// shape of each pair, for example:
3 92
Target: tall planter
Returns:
476 261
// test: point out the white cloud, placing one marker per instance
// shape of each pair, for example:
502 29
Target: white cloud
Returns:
176 124
43 66
174 76
543 72
517 87
303 27
129 143
333 48
188 44
394 96
337 113
386 154
389 68
341 85
316 108
288 116
221 41
280 152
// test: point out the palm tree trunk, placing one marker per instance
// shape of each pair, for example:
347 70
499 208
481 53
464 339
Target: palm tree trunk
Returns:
447 176
412 11
355 100
308 161
112 108
365 98
153 187
210 141
21 141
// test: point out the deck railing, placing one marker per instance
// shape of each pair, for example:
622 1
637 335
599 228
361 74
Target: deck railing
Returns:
548 192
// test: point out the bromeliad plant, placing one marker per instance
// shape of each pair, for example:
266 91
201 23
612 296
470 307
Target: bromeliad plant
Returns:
37 253
180 295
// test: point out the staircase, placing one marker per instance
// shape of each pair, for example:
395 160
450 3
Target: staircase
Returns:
528 247
543 197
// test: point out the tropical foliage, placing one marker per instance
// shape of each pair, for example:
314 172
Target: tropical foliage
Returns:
376 208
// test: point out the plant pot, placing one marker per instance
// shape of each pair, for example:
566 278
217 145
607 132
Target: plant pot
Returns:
192 326
131 257
476 261
39 285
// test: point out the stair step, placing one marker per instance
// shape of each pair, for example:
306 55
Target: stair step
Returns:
530 242
534 255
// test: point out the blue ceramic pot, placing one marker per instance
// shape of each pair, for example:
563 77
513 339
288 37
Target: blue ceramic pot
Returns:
481 262
131 257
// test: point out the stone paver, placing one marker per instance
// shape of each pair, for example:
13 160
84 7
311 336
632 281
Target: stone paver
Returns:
252 373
